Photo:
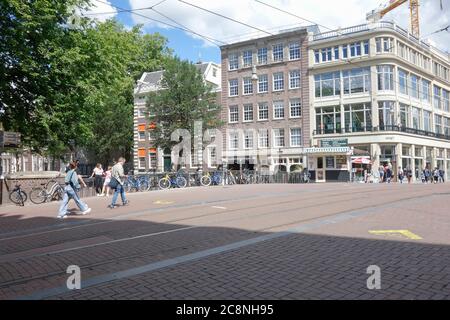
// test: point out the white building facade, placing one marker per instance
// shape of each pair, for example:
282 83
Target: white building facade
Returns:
384 93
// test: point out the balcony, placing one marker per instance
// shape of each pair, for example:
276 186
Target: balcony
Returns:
391 128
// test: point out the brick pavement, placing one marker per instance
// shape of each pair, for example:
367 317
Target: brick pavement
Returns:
327 259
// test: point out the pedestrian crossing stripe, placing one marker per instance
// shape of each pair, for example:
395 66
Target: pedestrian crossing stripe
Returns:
406 233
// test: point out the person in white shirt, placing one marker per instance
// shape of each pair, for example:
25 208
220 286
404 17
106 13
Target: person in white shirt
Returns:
97 173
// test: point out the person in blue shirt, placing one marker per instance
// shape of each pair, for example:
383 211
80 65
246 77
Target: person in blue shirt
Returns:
71 192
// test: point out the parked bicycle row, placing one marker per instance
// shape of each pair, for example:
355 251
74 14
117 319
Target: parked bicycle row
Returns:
53 190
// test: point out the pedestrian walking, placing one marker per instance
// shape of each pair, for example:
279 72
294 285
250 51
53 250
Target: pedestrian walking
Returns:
106 187
409 174
441 175
116 183
381 173
400 174
71 192
436 175
427 174
388 174
97 173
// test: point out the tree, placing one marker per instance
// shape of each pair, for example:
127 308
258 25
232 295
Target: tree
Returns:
183 99
66 88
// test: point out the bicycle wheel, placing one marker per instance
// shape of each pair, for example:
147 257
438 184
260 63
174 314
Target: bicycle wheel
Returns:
181 182
164 183
205 181
143 186
18 197
38 195
58 195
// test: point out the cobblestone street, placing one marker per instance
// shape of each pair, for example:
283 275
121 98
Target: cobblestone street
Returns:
308 241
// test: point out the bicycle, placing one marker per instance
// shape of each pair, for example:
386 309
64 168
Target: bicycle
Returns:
169 181
132 184
17 195
208 179
44 193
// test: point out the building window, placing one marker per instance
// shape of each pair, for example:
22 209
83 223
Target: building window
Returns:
427 120
295 108
278 110
425 90
404 115
294 51
142 162
326 54
355 49
234 114
416 118
263 83
141 112
294 79
366 47
212 156
385 77
344 51
278 81
248 112
414 86
356 80
233 60
296 137
234 140
234 87
262 55
327 84
263 111
384 45
141 135
447 133
247 59
437 124
278 137
277 51
263 138
248 85
358 117
445 100
437 97
403 81
386 111
316 56
248 139
336 53
328 120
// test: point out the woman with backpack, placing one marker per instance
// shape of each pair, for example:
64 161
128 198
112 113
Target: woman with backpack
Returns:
71 192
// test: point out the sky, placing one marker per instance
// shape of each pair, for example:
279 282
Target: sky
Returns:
330 14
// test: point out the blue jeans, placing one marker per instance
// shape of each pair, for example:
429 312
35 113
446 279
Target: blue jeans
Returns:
70 193
118 190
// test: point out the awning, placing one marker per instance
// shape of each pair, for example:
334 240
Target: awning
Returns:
361 160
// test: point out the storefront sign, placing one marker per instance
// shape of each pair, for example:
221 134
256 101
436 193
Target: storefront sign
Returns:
333 143
328 150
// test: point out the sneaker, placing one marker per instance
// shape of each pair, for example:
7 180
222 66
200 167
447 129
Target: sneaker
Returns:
86 211
112 207
62 217
126 202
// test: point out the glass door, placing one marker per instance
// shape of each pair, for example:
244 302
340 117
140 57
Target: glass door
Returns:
320 170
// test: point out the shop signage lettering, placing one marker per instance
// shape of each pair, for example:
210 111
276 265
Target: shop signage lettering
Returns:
333 143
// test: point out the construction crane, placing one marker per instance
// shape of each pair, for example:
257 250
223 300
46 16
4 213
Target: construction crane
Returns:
377 14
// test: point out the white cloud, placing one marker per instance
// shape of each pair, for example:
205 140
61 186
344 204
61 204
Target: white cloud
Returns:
330 13
100 7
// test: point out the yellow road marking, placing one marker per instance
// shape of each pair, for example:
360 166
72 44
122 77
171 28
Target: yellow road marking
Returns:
162 202
406 233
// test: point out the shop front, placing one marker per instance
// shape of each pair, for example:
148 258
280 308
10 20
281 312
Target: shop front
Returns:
328 164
